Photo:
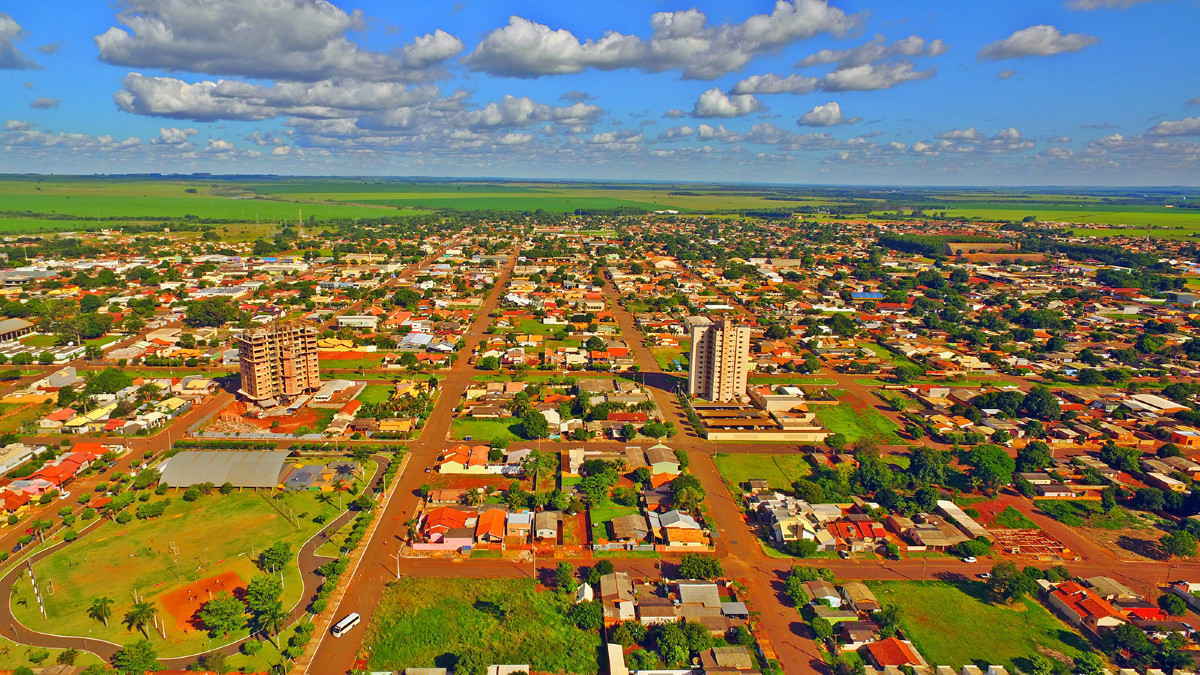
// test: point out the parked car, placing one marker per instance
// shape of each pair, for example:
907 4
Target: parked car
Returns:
844 555
984 575
969 559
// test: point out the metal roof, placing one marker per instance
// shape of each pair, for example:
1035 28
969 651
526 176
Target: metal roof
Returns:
254 469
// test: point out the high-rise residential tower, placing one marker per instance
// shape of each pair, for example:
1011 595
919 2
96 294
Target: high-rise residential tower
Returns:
720 361
279 361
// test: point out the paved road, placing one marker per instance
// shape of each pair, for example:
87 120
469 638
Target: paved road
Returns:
336 655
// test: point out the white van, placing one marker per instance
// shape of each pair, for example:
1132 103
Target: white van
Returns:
349 621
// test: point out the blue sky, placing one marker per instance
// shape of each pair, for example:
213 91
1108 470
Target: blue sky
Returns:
945 92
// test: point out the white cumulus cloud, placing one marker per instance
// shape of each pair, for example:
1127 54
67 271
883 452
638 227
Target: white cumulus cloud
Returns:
681 40
828 115
715 103
876 50
1041 40
276 39
11 58
1189 126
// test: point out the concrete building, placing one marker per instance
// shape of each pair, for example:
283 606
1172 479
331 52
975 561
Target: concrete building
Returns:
279 362
720 361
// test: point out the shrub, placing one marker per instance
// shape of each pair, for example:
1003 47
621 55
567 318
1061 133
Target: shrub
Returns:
124 517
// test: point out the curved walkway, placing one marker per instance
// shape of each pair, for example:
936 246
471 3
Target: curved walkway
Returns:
307 558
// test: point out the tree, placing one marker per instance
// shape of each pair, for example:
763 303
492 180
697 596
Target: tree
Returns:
802 548
223 614
699 566
210 312
534 425
600 569
822 628
1040 403
686 492
836 442
809 491
137 658
471 662
1009 584
1089 663
276 557
101 610
564 577
1172 604
927 466
991 465
263 592
1179 543
587 615
142 614
1035 456
488 363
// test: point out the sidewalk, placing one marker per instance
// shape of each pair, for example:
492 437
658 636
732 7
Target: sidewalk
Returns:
332 612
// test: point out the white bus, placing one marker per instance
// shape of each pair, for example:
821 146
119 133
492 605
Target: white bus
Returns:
349 621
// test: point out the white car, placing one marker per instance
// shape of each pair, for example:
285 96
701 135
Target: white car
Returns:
969 559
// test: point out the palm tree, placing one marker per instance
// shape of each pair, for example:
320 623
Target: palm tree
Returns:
101 609
272 621
143 614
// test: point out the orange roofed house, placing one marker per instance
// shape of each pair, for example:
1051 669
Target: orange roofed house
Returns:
1083 608
894 653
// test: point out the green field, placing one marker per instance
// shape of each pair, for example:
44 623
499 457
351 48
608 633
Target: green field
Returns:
485 430
376 393
953 624
865 423
214 534
601 514
1089 514
1012 519
429 622
780 471
15 415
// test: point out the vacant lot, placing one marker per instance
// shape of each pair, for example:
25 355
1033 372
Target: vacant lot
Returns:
429 622
376 393
951 623
780 471
486 430
855 419
213 535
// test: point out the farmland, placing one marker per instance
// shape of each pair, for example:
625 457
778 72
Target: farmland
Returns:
245 209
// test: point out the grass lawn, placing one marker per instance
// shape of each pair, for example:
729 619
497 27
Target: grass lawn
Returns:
953 624
780 471
428 622
105 340
366 361
13 416
602 514
1088 514
666 356
536 327
792 379
324 417
39 340
486 430
13 656
115 559
376 393
855 424
1012 519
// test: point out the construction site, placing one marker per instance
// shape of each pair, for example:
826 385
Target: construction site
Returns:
278 363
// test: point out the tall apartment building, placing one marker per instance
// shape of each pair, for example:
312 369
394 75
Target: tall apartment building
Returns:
720 360
279 362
